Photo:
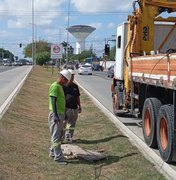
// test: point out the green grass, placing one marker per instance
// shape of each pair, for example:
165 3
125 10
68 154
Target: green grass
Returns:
25 139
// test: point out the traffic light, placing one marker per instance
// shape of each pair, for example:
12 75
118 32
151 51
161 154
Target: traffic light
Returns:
20 45
107 49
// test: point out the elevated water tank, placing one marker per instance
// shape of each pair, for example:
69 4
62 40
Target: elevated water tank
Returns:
80 32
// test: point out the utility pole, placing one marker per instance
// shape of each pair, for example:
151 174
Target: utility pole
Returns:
68 24
33 34
35 56
34 42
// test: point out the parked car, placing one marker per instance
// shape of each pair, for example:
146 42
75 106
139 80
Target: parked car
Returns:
110 72
18 63
97 68
70 66
29 62
85 69
6 63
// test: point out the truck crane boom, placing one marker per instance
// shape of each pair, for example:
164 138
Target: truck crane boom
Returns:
144 82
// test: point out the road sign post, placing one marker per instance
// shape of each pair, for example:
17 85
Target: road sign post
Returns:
56 51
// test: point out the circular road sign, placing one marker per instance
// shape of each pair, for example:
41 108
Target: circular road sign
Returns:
56 49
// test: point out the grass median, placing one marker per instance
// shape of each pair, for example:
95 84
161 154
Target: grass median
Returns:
25 139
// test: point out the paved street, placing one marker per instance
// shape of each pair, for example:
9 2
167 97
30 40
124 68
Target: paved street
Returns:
99 87
10 79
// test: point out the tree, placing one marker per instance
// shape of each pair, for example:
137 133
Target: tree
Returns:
42 51
42 58
112 53
41 46
84 54
6 54
67 49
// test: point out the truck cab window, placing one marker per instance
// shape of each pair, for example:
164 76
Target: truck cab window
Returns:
119 42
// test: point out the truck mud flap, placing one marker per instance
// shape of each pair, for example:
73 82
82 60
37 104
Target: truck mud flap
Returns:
165 132
149 117
123 113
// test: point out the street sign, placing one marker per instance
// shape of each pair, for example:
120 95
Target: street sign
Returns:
56 51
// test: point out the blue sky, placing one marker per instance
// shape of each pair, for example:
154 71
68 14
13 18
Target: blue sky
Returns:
51 21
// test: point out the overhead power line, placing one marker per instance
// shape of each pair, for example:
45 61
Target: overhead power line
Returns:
60 13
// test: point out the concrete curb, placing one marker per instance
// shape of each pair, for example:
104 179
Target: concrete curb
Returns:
148 153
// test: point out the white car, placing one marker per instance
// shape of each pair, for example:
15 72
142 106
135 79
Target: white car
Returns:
85 69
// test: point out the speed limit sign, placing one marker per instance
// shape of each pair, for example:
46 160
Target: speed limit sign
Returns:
56 51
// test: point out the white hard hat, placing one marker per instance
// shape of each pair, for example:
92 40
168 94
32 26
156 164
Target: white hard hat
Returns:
66 74
71 71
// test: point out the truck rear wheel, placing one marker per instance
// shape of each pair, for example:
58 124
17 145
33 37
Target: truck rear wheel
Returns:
165 132
149 118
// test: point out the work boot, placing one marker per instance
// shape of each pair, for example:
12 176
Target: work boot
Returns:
61 161
58 154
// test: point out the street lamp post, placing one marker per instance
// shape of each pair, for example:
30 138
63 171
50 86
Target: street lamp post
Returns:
34 42
68 24
33 33
35 45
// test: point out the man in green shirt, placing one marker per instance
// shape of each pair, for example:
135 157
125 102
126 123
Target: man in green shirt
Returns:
57 115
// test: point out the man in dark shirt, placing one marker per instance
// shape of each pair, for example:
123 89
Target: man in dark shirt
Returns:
73 106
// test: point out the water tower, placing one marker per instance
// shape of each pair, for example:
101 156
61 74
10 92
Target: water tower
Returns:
80 32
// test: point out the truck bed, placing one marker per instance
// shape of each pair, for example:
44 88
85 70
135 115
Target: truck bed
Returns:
158 70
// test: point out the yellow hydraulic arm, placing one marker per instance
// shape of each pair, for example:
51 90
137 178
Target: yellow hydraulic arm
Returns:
141 28
142 22
170 4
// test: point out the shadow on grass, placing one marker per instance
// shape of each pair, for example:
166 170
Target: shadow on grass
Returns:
111 159
83 141
104 162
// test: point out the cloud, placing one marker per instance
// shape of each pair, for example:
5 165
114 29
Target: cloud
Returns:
15 23
102 5
19 12
3 33
52 15
111 26
96 25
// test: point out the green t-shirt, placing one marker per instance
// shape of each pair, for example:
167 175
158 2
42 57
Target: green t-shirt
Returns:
56 90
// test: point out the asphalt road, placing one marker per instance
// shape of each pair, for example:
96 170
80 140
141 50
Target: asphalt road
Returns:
99 86
10 79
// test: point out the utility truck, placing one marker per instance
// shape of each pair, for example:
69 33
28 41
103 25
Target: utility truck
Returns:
95 63
144 82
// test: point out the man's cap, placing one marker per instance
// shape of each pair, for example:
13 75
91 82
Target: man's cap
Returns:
71 71
66 74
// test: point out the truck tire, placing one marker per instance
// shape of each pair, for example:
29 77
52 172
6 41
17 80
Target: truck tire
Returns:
149 117
165 132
